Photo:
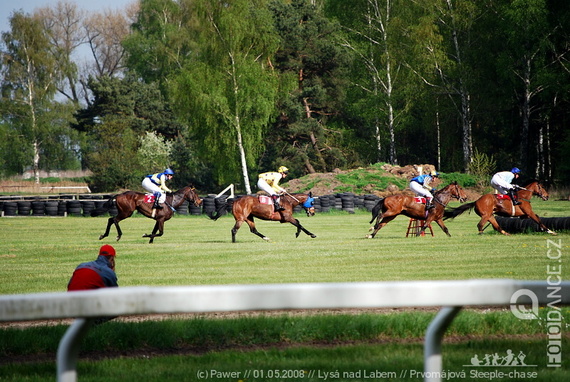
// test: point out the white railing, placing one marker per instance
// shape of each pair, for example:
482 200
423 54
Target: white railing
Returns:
86 306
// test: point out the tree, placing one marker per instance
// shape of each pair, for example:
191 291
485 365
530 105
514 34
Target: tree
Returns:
116 123
312 67
227 91
28 86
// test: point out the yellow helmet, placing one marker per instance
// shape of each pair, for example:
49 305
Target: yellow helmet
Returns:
283 170
434 173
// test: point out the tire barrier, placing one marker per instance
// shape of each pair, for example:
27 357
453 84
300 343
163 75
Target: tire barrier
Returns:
82 205
518 225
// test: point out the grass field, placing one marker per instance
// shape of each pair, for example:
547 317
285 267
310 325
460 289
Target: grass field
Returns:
39 255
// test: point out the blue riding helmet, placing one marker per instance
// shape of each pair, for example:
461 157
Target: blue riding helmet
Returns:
310 202
515 170
168 172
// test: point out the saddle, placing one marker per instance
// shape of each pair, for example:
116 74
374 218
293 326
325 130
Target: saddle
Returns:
420 199
502 197
149 198
264 199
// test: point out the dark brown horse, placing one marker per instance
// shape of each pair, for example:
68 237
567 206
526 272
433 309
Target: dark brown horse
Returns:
489 205
389 207
129 201
245 208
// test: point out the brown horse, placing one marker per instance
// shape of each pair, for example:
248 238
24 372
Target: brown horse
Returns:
245 208
489 205
129 201
389 207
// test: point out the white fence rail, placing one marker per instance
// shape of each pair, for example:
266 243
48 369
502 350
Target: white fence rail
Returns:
86 306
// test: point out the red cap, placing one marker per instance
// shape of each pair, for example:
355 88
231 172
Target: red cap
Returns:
107 251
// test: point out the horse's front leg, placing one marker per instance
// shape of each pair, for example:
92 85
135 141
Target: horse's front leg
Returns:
158 227
300 228
441 225
530 213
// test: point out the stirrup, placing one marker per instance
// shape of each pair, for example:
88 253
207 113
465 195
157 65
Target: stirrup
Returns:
157 206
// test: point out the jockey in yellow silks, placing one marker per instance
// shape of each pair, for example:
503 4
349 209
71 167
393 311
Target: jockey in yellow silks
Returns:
269 182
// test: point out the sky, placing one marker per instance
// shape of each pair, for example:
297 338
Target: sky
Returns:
7 7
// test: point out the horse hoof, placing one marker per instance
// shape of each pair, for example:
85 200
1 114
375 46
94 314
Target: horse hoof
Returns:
313 236
266 238
101 237
552 233
369 237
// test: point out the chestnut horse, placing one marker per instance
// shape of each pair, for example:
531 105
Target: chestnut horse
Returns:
489 205
129 201
245 208
389 207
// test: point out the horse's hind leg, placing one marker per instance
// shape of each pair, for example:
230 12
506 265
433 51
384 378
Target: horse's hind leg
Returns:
440 224
491 219
110 222
379 224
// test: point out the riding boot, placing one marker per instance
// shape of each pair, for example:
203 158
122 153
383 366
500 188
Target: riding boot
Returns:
156 205
514 198
429 204
276 203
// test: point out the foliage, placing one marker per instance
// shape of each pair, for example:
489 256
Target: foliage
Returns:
124 127
154 152
482 167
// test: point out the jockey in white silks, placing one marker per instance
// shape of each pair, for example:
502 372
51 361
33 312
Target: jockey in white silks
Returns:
421 185
501 182
269 182
156 183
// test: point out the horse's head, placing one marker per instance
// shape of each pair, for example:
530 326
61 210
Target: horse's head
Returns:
456 191
191 195
538 189
308 204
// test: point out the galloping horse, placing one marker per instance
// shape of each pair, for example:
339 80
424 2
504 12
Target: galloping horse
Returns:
129 201
490 204
391 206
245 208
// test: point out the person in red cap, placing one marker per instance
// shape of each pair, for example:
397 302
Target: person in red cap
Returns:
95 274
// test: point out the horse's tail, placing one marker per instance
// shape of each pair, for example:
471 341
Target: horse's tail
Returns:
376 210
451 213
215 215
104 208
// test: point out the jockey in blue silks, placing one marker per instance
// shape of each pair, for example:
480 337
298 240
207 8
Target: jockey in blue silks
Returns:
421 185
156 183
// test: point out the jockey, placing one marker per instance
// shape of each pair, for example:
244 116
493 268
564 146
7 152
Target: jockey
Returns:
501 182
421 186
269 182
156 183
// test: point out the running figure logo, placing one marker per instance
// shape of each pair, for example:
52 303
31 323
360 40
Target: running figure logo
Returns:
510 359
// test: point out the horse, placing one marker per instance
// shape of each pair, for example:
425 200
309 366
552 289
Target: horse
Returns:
389 207
129 201
489 205
245 208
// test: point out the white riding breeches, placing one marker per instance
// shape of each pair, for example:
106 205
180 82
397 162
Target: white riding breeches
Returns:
420 190
151 187
264 186
501 185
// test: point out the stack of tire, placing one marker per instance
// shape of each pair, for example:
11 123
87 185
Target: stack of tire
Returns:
346 201
325 202
518 225
38 208
370 201
183 208
209 204
9 208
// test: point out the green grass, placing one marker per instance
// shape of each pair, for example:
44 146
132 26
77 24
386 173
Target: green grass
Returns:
39 255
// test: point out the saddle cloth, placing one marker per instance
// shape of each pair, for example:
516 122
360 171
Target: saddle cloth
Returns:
148 198
501 197
263 199
419 199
